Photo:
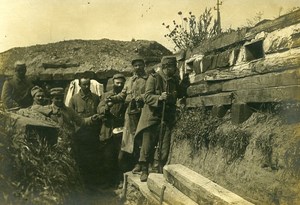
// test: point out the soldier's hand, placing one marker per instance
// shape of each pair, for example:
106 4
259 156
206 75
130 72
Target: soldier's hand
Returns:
139 98
113 98
163 96
95 117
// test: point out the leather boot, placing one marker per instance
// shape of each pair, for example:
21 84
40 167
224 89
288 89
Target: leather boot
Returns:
137 169
145 172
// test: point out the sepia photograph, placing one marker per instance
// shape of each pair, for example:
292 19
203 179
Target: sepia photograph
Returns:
149 102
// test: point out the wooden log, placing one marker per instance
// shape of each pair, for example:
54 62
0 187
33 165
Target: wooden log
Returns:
290 77
200 189
134 179
271 63
156 183
205 88
210 100
222 41
274 94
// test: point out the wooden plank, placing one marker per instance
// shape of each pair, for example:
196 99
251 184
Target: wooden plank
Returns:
290 77
271 63
274 94
171 195
210 100
205 88
134 179
222 41
199 188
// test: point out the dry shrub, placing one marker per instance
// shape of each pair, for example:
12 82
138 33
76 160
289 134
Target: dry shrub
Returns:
200 128
34 171
292 160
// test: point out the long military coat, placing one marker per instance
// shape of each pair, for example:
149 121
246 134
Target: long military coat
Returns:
156 84
133 89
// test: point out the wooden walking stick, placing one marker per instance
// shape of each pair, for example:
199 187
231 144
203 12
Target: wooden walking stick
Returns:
161 133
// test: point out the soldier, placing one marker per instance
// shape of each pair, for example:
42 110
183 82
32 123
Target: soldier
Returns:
16 91
112 114
162 90
86 141
38 96
67 118
133 94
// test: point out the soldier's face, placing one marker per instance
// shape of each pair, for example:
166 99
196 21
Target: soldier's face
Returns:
21 72
170 70
138 66
58 100
39 98
85 84
118 84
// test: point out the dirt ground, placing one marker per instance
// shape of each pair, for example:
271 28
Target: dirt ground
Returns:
269 170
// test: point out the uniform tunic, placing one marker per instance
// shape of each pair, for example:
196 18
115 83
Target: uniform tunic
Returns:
16 93
133 89
86 141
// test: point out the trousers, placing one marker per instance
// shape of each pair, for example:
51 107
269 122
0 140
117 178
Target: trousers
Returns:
150 138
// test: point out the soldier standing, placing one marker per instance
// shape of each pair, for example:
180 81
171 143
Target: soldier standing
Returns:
162 90
86 141
133 94
112 115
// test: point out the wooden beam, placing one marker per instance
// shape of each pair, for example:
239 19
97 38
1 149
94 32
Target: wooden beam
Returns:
210 100
271 63
205 88
134 179
158 185
199 188
274 94
289 77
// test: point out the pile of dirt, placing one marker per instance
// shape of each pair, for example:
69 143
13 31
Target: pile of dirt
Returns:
258 159
95 55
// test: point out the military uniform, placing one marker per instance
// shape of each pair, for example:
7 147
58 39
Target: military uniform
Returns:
85 105
86 141
158 85
112 117
150 120
133 93
16 93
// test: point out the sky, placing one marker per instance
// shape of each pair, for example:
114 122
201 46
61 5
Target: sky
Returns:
31 22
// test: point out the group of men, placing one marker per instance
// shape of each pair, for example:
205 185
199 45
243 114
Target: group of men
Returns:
128 128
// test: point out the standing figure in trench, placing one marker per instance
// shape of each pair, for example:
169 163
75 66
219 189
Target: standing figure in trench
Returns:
133 94
86 141
112 115
162 87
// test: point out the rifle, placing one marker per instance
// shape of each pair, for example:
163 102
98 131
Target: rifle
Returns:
161 133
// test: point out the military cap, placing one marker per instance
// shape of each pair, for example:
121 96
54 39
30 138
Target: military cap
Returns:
119 75
136 59
35 90
57 91
19 64
168 60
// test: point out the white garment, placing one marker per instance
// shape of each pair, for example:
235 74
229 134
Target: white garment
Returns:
74 88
